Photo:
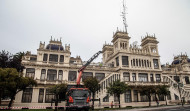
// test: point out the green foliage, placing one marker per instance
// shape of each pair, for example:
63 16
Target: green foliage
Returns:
163 90
7 60
58 89
92 84
11 82
117 88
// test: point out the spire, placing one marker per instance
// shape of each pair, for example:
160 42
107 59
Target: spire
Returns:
124 16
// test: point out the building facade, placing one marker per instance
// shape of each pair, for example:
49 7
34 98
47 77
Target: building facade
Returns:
137 66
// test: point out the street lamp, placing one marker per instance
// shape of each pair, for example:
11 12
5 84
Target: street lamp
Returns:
179 85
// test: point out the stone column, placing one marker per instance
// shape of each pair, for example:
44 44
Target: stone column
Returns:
154 77
35 95
137 76
120 61
139 96
131 78
129 59
132 95
148 77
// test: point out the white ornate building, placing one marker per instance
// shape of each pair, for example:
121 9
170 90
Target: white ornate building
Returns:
136 66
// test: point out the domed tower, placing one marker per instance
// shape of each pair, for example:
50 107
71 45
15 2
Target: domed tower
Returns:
54 52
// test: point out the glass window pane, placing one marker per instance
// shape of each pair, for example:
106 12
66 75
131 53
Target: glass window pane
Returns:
53 58
45 57
27 95
61 58
99 76
51 74
72 76
41 95
30 72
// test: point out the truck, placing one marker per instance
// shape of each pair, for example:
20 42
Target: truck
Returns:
78 97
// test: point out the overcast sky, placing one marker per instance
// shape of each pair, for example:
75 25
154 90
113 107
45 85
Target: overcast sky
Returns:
87 24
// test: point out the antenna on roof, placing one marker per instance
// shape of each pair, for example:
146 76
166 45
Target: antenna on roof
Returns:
124 17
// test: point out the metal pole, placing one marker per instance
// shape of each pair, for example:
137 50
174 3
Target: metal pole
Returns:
179 88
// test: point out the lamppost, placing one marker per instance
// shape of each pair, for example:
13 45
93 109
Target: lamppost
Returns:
179 85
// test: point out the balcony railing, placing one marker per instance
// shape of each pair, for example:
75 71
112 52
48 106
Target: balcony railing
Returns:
143 83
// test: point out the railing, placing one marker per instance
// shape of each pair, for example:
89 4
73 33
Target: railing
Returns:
184 92
143 83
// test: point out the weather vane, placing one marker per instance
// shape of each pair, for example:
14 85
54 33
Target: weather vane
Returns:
124 16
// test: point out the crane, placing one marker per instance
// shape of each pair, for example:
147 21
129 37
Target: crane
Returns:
84 66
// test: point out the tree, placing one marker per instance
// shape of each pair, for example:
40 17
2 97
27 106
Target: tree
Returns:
148 91
16 61
14 83
117 88
163 90
8 60
92 84
5 58
57 90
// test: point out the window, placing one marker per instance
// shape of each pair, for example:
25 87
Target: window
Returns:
30 72
139 62
27 95
117 61
43 74
99 76
176 97
176 78
33 58
61 58
133 62
128 96
136 62
126 76
53 58
125 60
144 98
158 79
60 75
49 96
161 97
72 76
115 98
134 76
144 63
86 75
106 98
151 78
143 77
156 65
51 74
45 57
135 92
187 80
41 95
147 63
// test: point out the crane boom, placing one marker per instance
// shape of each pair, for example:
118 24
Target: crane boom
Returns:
84 66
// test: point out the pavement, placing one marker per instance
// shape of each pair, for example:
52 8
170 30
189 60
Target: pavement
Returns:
160 108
